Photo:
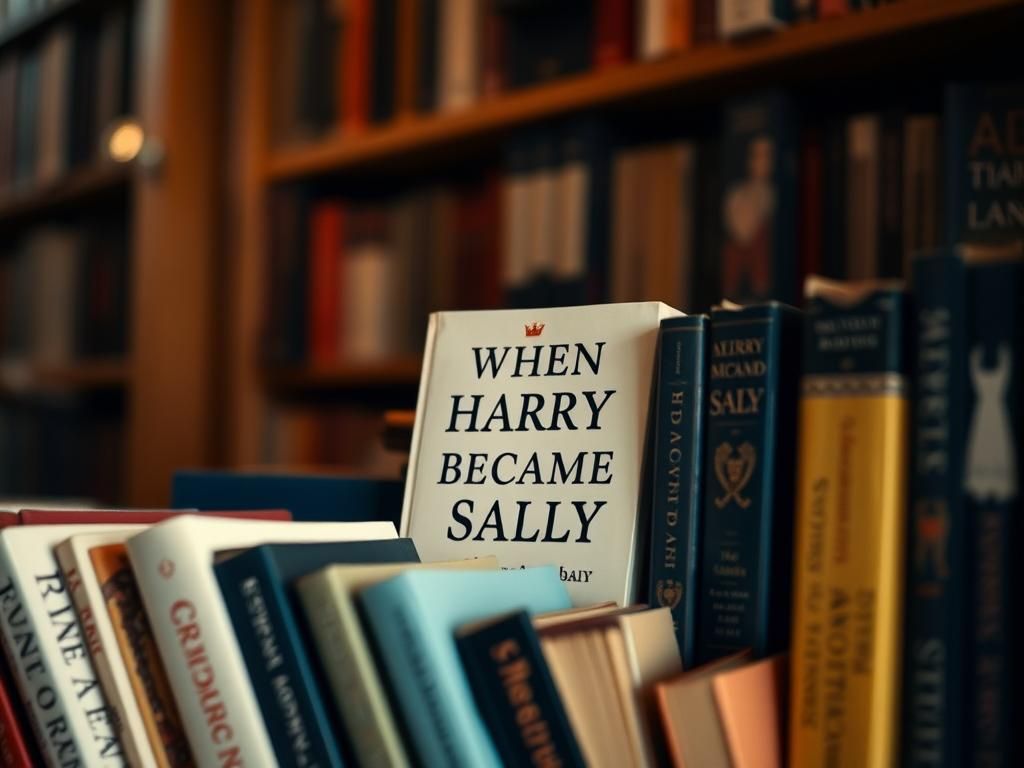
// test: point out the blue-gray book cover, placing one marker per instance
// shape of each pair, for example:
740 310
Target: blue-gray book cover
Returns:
677 497
256 586
984 161
745 573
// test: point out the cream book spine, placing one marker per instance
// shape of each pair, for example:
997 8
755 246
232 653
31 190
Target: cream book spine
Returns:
90 605
329 599
173 563
74 724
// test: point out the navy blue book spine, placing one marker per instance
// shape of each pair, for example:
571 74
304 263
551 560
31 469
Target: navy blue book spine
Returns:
516 695
984 151
934 707
677 497
759 206
992 464
256 586
426 84
384 32
754 362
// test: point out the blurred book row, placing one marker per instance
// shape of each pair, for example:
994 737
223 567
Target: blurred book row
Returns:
358 64
579 211
60 93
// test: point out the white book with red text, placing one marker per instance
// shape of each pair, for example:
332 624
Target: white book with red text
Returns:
98 629
48 654
173 563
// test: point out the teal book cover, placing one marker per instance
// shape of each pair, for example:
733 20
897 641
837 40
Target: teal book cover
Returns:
413 619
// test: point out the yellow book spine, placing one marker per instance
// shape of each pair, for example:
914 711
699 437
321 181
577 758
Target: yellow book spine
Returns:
851 498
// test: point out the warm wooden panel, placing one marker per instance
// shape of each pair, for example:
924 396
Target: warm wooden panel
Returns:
914 20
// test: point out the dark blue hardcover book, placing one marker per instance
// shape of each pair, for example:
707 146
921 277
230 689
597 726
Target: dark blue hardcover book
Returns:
26 116
677 498
585 147
759 203
257 591
426 74
934 705
984 152
515 693
545 40
310 498
384 54
992 470
745 571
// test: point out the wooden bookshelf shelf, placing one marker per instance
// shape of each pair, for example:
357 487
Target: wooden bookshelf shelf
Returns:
390 373
73 188
18 379
706 65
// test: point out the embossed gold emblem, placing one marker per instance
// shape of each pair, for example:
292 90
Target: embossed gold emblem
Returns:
669 592
734 467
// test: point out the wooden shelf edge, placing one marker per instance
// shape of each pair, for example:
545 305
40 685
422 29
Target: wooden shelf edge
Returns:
24 379
71 188
387 373
633 81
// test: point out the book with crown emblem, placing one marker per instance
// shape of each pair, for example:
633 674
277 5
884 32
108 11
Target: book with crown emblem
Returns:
529 442
851 505
753 360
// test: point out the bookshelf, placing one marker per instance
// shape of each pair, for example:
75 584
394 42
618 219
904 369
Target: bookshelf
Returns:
161 389
413 145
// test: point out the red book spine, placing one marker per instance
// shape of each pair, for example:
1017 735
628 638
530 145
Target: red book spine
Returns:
613 29
705 21
326 224
811 186
355 75
15 750
830 8
493 51
135 516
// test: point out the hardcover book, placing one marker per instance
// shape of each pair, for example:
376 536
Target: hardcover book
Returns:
529 442
329 598
991 483
413 617
751 703
984 152
677 497
742 17
753 360
759 248
516 694
851 500
934 705
256 586
173 564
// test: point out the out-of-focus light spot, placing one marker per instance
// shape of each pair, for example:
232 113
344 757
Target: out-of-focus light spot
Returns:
125 142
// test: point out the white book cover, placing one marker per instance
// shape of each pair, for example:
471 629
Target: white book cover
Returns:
90 604
47 651
529 441
173 564
741 17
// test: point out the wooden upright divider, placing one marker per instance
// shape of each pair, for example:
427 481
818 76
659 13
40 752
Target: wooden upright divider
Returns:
176 238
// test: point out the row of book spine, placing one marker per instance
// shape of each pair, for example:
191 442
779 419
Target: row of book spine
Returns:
901 396
368 63
580 214
59 94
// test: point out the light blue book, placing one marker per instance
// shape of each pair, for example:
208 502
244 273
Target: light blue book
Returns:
413 618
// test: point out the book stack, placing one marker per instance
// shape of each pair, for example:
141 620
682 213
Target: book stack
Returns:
60 93
360 65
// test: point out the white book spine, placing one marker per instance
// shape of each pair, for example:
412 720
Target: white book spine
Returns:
86 594
74 725
173 564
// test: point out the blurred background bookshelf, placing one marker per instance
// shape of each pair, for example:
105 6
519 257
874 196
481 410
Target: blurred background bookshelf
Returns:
314 176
